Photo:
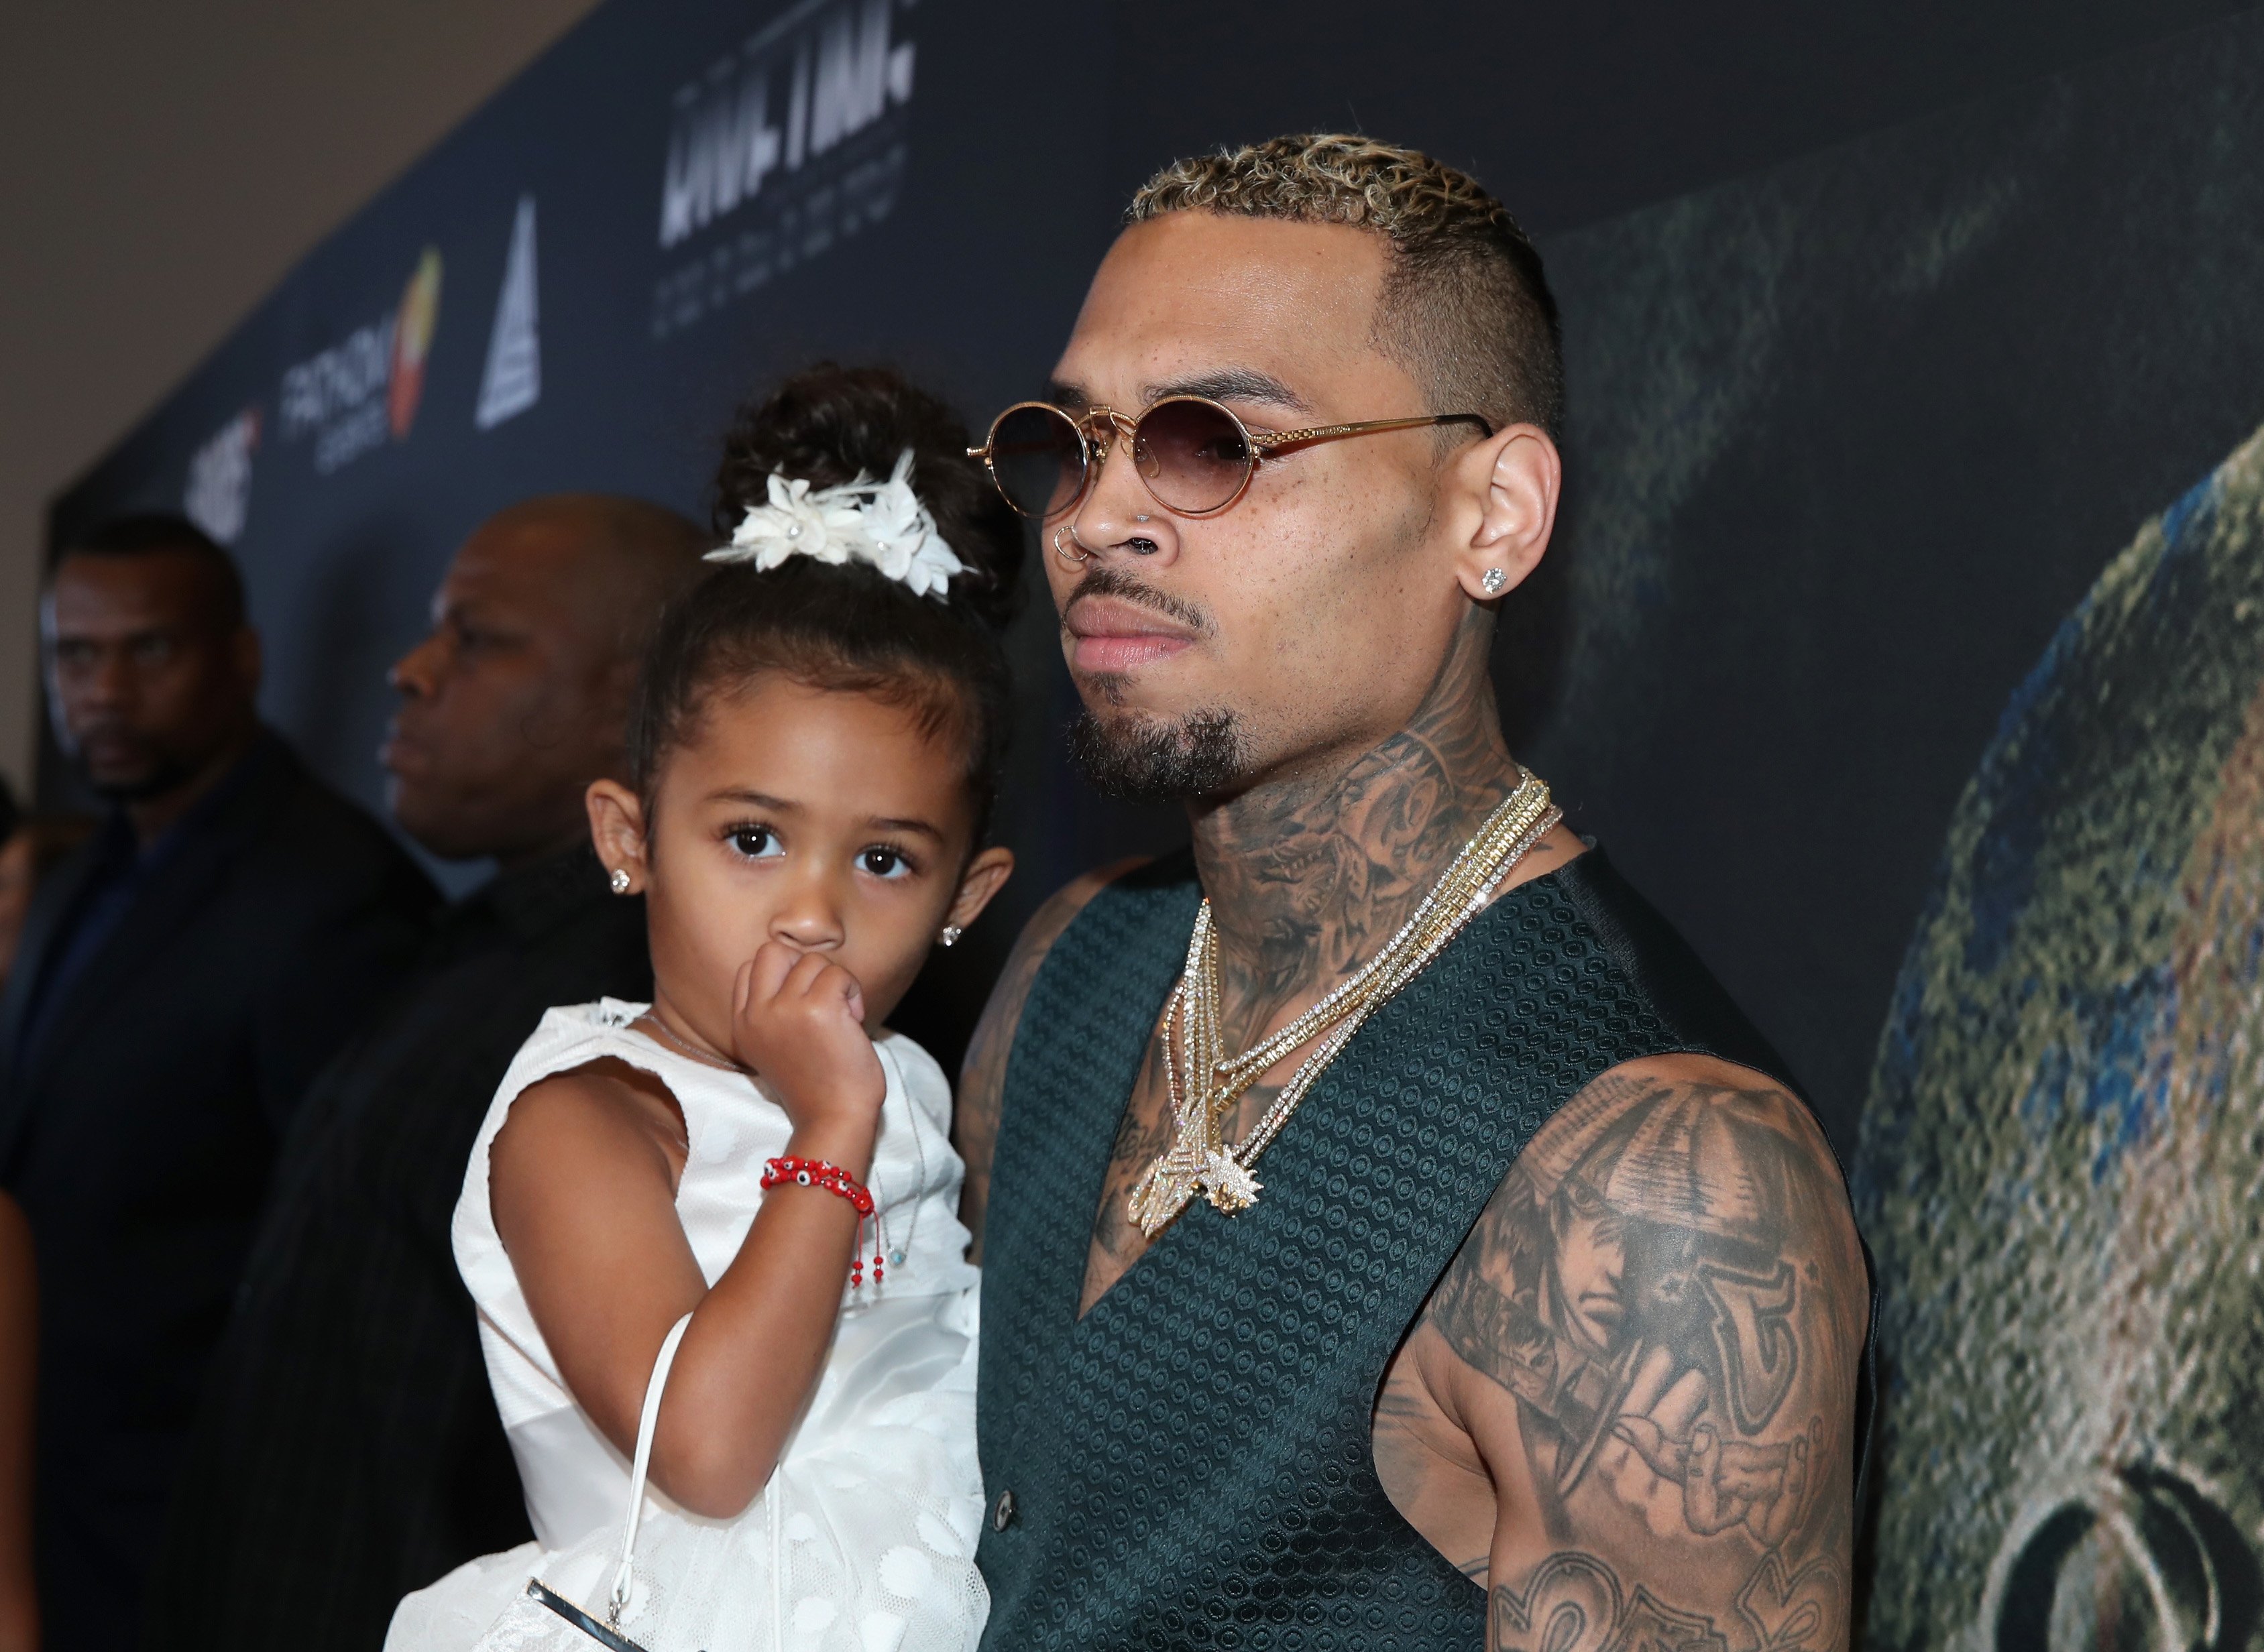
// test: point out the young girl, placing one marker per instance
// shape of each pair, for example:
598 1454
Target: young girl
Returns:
750 1174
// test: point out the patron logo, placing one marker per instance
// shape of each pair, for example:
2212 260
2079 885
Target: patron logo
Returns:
797 141
219 493
365 387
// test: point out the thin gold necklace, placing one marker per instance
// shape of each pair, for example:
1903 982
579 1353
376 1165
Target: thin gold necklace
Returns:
1205 1083
652 1018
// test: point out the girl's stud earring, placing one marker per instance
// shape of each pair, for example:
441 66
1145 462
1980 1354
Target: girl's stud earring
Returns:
1493 580
950 935
619 881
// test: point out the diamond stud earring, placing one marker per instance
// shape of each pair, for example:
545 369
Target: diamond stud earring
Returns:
619 881
950 935
1493 580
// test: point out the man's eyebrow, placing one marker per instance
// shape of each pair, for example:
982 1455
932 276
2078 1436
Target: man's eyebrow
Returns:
1069 396
1234 384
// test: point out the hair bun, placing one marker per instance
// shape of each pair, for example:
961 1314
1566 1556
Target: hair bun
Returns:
831 424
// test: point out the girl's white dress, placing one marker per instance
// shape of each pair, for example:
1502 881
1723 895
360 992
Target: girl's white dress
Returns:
864 1541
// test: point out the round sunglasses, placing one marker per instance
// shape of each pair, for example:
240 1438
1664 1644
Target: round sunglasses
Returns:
1193 455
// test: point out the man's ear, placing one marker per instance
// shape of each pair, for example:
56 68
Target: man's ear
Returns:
1521 476
617 829
985 875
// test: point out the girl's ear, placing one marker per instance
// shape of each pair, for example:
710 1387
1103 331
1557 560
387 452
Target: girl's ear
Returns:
617 831
985 875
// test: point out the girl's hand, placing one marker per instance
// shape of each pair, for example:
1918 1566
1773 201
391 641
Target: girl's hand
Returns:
798 1020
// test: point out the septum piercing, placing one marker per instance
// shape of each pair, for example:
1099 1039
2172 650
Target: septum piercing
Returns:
1493 580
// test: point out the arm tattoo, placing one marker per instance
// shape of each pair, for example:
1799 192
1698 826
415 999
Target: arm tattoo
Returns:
1574 1602
1667 1284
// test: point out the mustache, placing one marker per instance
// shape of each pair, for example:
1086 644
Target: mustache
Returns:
1101 580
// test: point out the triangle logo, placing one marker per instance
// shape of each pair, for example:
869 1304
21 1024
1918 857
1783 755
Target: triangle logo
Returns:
512 382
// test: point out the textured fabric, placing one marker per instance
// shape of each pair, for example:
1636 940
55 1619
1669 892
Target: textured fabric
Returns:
346 1449
140 1133
1191 1465
871 1514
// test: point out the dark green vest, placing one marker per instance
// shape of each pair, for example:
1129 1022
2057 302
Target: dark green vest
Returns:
1191 1466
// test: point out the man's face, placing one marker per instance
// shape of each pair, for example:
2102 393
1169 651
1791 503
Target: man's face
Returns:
515 702
148 681
1304 623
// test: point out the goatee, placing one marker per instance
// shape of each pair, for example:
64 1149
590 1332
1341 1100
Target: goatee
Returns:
1136 761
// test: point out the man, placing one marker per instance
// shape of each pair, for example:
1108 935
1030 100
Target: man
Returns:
1540 1321
348 1450
181 978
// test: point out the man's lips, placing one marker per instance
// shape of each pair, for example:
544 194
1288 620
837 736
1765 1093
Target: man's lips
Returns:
399 753
1112 636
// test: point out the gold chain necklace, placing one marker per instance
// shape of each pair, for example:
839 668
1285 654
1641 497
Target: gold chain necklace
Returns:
1205 1083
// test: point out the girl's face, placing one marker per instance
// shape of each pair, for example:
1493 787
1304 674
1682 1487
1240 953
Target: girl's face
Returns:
825 820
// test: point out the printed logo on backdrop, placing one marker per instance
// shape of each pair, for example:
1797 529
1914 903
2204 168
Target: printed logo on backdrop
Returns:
779 152
219 493
365 388
512 380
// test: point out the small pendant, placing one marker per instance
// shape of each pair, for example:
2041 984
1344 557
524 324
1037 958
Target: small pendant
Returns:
896 1258
1171 1184
1229 1186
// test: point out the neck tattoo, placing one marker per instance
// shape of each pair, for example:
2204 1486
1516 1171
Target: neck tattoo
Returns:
1205 1083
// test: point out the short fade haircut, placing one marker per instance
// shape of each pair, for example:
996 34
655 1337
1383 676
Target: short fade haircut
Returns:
149 532
1466 307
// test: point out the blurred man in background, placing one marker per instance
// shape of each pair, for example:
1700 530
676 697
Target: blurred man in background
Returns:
180 979
348 1450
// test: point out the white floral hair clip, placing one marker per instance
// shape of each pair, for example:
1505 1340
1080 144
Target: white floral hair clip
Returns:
883 524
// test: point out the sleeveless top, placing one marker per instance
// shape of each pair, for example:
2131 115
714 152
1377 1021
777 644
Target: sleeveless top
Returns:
1191 1465
575 1479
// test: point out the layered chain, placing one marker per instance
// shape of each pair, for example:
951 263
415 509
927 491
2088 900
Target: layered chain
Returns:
1205 1083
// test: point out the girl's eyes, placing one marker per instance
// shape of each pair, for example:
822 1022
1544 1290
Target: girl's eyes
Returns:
876 860
757 843
881 861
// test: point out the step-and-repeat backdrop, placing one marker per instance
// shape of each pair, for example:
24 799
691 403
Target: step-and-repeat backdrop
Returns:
1905 640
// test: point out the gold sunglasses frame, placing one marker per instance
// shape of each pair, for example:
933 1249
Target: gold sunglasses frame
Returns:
1262 445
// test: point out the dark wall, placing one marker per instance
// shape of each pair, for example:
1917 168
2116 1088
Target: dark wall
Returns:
963 220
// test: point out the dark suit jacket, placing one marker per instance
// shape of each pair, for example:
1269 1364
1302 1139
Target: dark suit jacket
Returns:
140 1131
347 1449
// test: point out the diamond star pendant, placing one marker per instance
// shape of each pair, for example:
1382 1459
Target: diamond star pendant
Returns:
1171 1184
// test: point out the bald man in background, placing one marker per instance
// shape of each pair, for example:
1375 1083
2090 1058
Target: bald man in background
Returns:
348 1449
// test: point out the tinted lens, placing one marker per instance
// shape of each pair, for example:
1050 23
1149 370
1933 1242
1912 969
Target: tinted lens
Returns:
1192 455
1038 459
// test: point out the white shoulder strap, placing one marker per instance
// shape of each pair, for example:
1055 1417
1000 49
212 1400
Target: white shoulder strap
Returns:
646 1423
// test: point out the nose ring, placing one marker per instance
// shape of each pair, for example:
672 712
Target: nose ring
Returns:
1080 555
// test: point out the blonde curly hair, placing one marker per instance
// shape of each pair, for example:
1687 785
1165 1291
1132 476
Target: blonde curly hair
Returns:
1466 307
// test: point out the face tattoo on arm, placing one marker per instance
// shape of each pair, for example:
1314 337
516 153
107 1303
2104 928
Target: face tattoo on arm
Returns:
1654 1328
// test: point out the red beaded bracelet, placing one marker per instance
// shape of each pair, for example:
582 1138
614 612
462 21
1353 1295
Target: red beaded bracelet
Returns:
801 1172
